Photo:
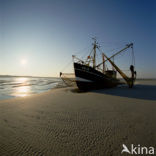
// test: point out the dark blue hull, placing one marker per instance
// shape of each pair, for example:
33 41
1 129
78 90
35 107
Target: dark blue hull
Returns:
88 78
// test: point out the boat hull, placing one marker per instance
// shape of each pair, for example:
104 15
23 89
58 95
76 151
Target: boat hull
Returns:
88 78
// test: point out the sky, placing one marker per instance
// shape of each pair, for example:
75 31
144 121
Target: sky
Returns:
39 37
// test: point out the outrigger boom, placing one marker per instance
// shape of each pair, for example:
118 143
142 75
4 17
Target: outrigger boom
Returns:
130 81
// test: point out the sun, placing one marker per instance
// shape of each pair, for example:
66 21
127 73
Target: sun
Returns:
23 61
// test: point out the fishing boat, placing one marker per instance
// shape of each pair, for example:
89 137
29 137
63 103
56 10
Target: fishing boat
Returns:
89 75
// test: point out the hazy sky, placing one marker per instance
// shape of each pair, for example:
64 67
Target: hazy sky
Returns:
38 37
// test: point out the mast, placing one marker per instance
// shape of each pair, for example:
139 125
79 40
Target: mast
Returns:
94 56
113 62
103 59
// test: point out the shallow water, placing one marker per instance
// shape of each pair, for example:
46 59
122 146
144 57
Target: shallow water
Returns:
25 86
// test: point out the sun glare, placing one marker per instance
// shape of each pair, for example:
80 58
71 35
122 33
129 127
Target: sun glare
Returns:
23 61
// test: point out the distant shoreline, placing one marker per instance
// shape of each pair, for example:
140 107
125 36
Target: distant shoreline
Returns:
59 77
27 76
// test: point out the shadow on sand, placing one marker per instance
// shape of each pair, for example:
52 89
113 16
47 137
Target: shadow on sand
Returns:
146 92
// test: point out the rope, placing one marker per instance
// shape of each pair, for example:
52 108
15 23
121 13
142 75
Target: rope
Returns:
66 66
84 49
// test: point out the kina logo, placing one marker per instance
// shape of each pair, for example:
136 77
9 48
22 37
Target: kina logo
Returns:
138 150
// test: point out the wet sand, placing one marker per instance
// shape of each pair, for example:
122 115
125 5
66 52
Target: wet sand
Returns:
67 122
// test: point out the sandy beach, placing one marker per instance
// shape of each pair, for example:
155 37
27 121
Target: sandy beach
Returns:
66 122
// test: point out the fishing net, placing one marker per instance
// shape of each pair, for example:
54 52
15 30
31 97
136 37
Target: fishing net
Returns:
68 78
